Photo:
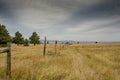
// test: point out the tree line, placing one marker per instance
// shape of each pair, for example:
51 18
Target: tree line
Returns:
18 37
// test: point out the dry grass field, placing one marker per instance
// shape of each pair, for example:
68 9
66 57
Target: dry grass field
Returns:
72 62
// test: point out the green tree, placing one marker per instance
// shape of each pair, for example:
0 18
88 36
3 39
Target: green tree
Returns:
18 39
4 35
34 39
26 42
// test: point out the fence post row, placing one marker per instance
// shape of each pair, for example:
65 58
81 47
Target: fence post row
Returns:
8 50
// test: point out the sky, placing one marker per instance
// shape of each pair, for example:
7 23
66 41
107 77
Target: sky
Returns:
81 20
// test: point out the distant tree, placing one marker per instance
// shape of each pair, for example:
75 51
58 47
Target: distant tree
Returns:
26 42
18 39
4 35
66 42
47 42
77 42
96 42
34 39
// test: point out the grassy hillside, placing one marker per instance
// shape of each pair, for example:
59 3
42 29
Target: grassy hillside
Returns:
72 62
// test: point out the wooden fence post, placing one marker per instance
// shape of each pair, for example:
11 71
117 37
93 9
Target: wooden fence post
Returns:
60 46
56 47
44 51
8 73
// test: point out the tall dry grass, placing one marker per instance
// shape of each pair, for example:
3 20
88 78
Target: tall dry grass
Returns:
72 62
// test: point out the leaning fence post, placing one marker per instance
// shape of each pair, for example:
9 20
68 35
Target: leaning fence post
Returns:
44 47
8 73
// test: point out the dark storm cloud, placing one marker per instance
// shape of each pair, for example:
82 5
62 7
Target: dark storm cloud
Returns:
105 9
65 18
102 10
5 11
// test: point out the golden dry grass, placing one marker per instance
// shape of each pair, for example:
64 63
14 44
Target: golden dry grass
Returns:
72 62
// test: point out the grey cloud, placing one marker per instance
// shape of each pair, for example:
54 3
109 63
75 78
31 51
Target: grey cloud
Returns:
105 9
55 17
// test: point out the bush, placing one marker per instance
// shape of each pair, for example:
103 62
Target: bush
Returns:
26 42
